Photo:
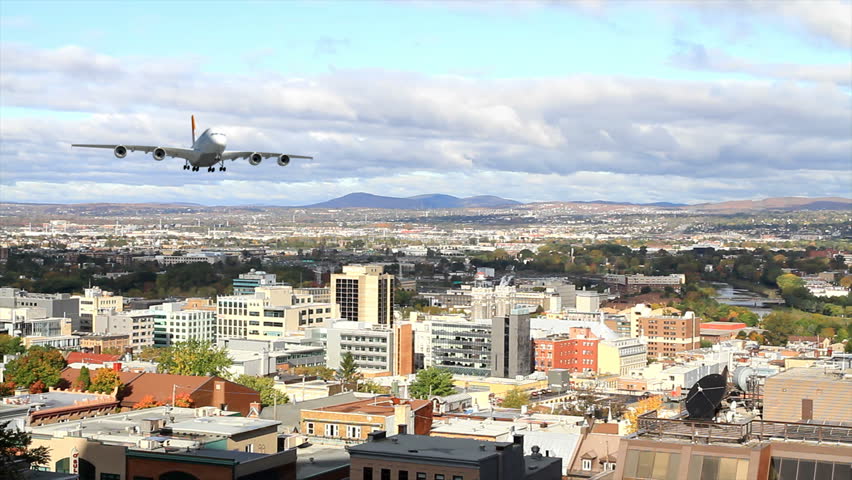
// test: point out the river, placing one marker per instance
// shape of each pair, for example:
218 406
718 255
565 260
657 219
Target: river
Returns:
727 294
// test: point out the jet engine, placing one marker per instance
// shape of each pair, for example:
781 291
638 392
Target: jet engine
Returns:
283 161
120 151
159 154
255 158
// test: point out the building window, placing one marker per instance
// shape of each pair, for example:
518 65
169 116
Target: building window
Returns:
110 476
353 432
402 475
587 464
609 466
309 428
368 473
458 477
439 476
332 430
249 448
385 474
421 476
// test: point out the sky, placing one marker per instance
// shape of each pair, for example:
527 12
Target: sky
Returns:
535 100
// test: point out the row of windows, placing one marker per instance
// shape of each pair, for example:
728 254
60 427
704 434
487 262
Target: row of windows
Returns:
385 474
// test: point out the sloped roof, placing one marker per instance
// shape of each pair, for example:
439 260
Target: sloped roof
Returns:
80 357
138 385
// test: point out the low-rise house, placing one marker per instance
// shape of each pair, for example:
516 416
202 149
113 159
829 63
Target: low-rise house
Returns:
351 423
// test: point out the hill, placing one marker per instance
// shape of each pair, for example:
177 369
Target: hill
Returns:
418 202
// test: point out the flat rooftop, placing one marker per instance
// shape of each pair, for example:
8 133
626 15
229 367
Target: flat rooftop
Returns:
48 399
814 374
420 447
373 406
318 459
222 425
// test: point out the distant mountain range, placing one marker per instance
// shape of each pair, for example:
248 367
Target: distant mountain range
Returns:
419 202
441 201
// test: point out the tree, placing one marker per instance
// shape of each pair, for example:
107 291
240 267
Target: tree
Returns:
640 407
195 357
10 345
105 381
39 363
269 395
184 400
348 371
148 401
848 347
432 381
320 371
15 448
706 344
38 387
372 387
789 282
152 354
7 389
516 398
84 380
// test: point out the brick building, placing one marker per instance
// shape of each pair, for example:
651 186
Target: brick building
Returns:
576 351
667 335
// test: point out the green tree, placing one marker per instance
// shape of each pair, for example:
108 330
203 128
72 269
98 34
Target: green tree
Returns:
320 371
848 347
84 380
706 344
39 363
195 357
105 381
266 387
430 382
10 345
15 449
372 387
516 398
348 371
789 282
152 354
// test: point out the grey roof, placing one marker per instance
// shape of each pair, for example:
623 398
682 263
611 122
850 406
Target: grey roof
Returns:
421 447
237 456
317 459
222 425
290 413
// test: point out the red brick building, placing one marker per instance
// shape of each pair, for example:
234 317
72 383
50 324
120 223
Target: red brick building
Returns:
576 351
666 336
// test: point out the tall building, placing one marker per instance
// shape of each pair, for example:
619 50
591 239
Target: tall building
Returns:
94 301
272 311
667 335
463 348
138 325
511 346
174 322
247 282
364 294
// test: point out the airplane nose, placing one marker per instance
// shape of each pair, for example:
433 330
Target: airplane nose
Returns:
219 140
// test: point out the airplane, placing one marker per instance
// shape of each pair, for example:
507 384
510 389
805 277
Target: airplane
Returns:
207 151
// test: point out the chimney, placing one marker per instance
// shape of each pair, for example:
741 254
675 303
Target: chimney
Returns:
402 416
518 439
401 429
254 410
376 436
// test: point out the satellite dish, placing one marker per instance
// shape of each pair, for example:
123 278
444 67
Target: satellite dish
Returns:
704 398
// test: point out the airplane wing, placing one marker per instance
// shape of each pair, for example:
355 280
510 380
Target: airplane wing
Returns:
183 153
238 155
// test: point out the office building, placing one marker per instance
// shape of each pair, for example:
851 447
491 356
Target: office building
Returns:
420 457
364 294
374 348
247 282
635 283
42 305
511 346
667 335
463 348
94 301
137 325
176 322
271 312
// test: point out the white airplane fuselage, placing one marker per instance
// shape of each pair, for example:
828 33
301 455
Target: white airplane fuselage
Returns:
209 146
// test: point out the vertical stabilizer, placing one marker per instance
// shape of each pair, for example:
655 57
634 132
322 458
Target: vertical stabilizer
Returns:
193 130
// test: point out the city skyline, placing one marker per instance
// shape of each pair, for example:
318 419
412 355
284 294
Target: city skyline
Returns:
537 101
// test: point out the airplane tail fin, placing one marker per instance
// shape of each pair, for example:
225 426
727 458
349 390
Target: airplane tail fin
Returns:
193 129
